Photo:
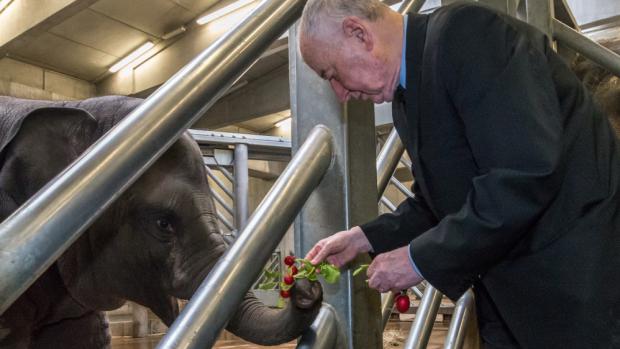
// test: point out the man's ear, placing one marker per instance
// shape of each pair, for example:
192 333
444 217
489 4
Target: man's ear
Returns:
355 27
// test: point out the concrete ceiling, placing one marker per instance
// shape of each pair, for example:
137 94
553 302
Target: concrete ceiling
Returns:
84 41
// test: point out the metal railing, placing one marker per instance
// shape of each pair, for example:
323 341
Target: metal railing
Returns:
209 309
41 230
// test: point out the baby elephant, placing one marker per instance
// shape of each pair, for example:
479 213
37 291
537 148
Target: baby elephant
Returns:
155 244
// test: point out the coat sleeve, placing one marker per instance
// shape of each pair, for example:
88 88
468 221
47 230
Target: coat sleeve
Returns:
392 230
501 86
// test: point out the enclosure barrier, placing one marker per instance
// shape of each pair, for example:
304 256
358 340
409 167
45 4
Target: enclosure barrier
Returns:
206 314
39 232
587 47
463 313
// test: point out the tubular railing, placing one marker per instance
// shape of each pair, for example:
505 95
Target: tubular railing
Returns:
39 232
209 309
587 47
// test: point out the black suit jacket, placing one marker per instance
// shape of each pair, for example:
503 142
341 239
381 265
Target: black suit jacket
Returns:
516 179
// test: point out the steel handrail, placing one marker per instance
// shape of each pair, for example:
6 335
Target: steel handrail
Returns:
209 309
463 312
587 47
39 232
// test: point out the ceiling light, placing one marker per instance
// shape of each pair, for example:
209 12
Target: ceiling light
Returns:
284 123
132 57
223 11
4 4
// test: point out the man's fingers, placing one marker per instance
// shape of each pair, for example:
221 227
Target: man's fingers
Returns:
313 252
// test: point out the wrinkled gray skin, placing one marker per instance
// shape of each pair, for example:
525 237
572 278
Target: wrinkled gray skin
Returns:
156 243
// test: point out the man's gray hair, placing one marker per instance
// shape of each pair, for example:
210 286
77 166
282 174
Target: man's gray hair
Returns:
317 10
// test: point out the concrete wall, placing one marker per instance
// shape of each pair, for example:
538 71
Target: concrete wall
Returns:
23 80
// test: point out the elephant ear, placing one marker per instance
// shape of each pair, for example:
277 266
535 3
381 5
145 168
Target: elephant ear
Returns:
39 145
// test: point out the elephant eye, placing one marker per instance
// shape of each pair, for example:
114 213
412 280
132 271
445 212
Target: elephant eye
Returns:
164 224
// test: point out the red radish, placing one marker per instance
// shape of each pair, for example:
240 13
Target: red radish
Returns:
288 279
402 303
285 294
294 270
289 260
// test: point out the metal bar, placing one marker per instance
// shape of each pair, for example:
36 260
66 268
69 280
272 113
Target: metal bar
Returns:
387 304
424 319
417 292
388 204
219 182
387 160
221 201
224 138
323 332
540 13
225 221
412 6
587 47
405 162
39 232
209 309
241 184
401 187
226 173
461 317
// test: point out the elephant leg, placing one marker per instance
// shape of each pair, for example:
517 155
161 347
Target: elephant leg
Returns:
86 332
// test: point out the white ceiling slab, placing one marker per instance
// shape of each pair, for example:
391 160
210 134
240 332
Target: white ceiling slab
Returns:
64 55
155 17
101 33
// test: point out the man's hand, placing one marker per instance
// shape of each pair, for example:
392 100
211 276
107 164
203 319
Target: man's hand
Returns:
340 248
392 271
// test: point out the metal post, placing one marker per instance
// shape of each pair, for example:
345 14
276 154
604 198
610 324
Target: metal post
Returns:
585 46
347 197
209 309
424 319
387 160
219 182
401 187
412 6
37 234
461 318
323 333
540 14
387 304
241 184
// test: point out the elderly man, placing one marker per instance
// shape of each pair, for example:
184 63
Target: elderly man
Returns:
516 171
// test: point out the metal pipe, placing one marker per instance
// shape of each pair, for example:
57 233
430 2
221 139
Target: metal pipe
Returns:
241 184
424 319
412 6
39 232
405 162
222 202
225 221
387 304
219 182
209 309
401 187
388 157
417 292
463 311
587 47
226 173
323 333
388 204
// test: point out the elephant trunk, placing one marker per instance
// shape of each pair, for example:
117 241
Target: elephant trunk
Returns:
255 322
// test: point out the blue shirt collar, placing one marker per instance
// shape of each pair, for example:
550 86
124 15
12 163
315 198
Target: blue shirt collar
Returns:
403 63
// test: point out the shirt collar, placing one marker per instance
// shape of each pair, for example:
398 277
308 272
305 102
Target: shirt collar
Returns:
403 64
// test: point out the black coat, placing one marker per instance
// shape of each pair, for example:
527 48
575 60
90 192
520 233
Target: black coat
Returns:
516 179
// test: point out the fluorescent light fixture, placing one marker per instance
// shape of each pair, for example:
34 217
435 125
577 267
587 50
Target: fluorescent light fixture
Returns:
4 4
132 57
284 123
223 11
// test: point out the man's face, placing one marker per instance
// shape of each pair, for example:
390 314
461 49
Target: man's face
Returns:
353 70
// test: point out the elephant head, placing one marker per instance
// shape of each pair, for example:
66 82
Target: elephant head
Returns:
159 239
